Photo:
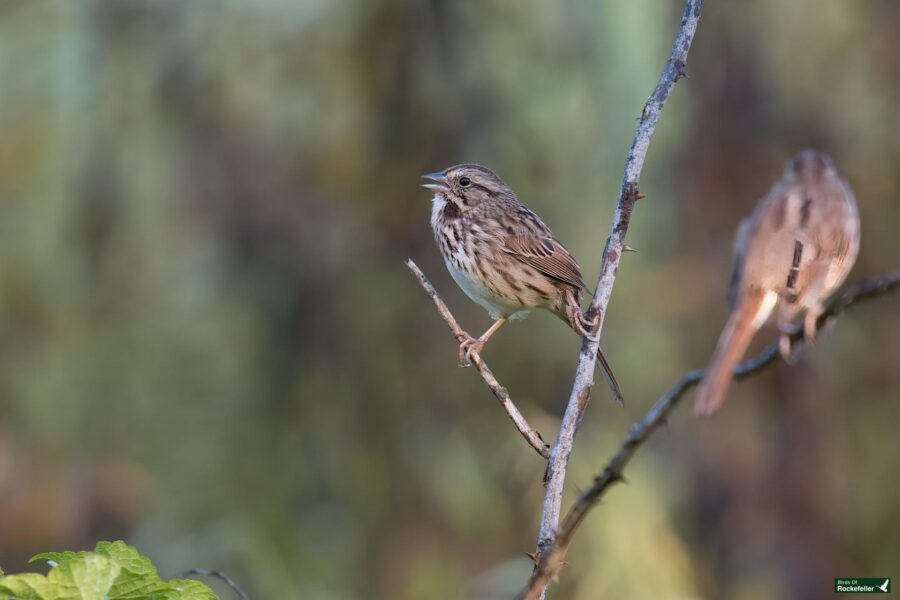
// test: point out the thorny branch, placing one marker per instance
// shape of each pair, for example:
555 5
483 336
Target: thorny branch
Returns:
552 558
615 245
531 435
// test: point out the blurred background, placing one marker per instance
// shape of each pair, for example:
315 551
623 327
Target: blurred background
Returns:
210 347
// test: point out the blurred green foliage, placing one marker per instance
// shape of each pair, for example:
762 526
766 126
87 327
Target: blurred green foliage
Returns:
209 344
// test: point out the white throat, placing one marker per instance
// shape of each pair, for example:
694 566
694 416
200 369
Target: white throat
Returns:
438 202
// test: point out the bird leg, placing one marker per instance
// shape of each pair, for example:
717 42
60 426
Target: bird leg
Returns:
470 344
790 328
577 320
810 320
789 351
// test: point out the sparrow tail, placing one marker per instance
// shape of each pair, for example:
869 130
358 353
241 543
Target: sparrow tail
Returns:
609 376
743 322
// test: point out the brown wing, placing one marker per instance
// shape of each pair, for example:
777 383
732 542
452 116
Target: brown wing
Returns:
545 254
740 248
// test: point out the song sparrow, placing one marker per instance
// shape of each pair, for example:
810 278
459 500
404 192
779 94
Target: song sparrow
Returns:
503 256
795 249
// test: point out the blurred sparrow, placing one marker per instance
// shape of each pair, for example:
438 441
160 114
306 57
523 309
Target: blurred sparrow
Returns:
795 249
503 256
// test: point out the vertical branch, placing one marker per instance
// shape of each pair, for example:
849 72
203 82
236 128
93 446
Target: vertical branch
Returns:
628 195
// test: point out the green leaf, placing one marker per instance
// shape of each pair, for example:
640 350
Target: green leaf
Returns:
28 586
127 557
57 558
138 578
91 576
189 589
113 571
85 577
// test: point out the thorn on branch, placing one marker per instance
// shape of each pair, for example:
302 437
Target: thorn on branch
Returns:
631 193
611 475
627 248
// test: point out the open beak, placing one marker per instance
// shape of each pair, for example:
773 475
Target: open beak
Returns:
440 186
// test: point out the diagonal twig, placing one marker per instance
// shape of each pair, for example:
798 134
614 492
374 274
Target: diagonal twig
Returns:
615 245
552 559
531 435
216 575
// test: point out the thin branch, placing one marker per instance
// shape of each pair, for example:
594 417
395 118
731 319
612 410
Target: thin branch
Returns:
531 435
628 195
552 558
217 575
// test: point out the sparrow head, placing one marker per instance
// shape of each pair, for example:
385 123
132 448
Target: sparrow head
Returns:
809 165
468 185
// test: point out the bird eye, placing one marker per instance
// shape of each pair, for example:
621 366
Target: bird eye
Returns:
465 181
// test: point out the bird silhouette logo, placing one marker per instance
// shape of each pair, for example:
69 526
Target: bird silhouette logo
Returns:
884 586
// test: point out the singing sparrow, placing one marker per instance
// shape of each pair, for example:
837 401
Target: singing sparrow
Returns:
503 256
795 249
